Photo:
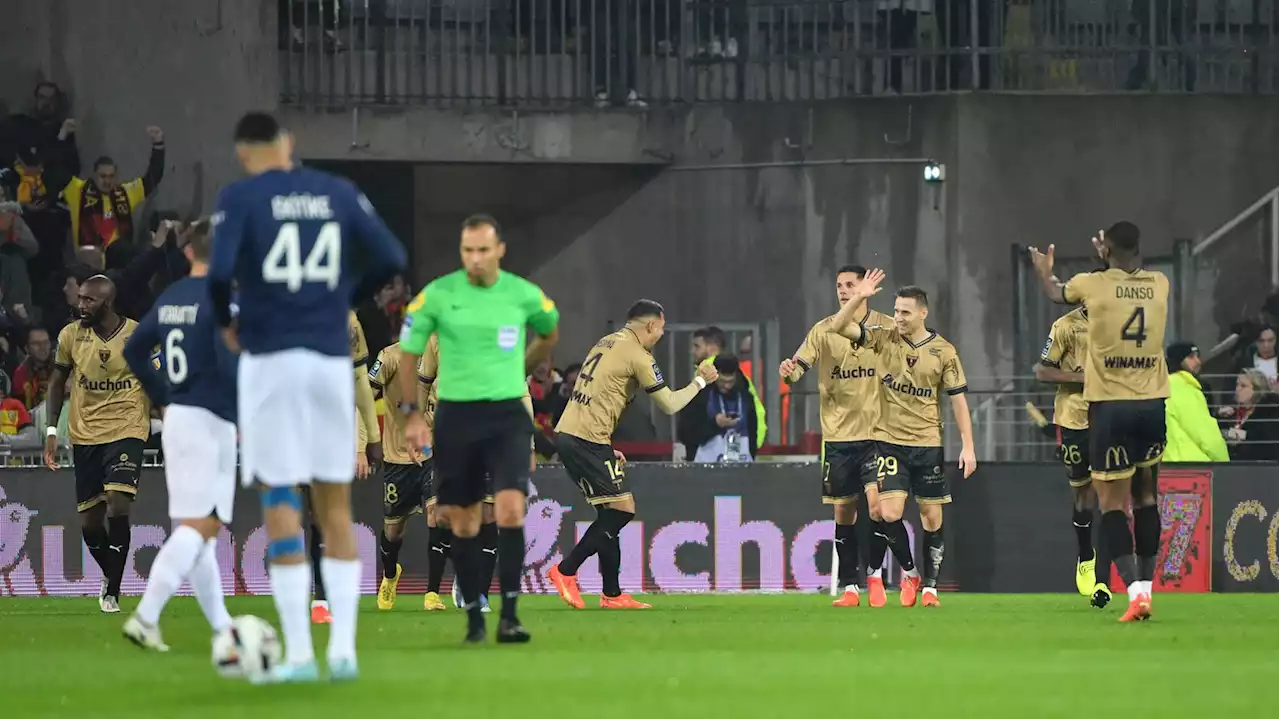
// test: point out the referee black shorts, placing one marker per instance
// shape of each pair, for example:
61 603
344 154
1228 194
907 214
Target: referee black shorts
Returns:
479 440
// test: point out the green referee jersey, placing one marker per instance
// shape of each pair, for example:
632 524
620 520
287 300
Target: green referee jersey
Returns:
481 332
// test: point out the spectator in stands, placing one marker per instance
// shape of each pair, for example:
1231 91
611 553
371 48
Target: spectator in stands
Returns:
541 384
710 341
613 68
717 25
564 390
1193 434
295 15
17 431
36 188
103 209
1263 357
1250 426
381 315
133 281
17 245
723 426
31 378
46 131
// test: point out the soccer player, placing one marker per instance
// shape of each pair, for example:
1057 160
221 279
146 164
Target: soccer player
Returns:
1062 363
110 423
918 366
479 315
1125 384
849 402
195 391
406 479
615 367
290 237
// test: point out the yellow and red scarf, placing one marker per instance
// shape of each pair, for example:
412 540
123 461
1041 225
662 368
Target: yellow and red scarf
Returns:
30 185
103 221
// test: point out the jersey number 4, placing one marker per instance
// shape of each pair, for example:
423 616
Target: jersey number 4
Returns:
1135 328
284 263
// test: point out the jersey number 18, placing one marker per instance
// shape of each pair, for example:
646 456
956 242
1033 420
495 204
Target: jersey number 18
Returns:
284 263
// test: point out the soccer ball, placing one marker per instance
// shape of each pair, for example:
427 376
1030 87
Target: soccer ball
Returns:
247 649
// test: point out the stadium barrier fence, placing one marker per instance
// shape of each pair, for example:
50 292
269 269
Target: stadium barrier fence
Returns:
707 528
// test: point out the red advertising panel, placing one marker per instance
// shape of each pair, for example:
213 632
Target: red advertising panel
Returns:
1186 532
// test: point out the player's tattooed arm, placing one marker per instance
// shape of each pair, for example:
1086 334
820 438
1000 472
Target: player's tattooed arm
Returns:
845 323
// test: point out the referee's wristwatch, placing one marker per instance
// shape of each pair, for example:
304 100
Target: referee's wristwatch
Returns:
407 408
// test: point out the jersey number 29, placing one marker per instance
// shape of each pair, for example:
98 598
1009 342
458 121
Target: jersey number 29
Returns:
284 263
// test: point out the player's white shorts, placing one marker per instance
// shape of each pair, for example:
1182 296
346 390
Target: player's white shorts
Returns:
199 463
297 418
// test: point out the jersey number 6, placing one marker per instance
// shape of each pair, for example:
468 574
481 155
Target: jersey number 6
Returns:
175 360
284 263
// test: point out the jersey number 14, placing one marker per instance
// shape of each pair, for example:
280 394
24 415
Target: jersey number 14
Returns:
284 263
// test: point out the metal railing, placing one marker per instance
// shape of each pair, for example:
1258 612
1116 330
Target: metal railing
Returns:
337 53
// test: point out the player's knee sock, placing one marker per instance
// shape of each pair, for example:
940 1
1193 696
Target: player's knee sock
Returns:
583 550
510 567
489 555
609 546
118 536
173 563
390 551
1146 540
895 534
95 539
342 582
879 545
847 553
1102 570
1082 520
466 572
206 582
316 552
1120 544
933 551
291 589
439 537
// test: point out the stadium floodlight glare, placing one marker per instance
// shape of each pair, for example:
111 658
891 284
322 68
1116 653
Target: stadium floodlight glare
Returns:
935 172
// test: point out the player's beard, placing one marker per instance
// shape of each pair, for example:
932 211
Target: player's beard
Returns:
92 319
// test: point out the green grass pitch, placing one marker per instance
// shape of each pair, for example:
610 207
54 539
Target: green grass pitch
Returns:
735 657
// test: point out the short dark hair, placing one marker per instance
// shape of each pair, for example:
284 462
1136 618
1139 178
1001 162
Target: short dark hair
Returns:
711 334
479 220
644 308
727 364
915 293
858 270
257 128
575 367
200 236
102 162
1123 236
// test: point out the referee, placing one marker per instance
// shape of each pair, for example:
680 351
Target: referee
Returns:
479 315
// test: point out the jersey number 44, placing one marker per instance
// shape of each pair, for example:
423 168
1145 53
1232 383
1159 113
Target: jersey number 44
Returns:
284 264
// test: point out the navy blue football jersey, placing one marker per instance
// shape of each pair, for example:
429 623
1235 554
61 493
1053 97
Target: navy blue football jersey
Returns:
297 243
193 366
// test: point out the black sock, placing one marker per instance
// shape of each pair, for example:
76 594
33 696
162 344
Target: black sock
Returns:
390 551
1146 540
95 539
466 572
118 536
583 550
1082 520
510 567
610 548
879 545
317 551
933 551
489 555
847 553
1102 570
895 533
1120 545
439 538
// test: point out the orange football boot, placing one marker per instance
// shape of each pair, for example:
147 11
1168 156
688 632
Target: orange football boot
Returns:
622 601
930 599
848 599
566 587
910 586
875 588
1139 609
320 614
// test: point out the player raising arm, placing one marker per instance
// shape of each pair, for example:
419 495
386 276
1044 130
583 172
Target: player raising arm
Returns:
196 390
618 365
918 365
849 403
1125 383
290 236
480 316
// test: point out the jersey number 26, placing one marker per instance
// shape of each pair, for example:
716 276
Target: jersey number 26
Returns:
284 263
